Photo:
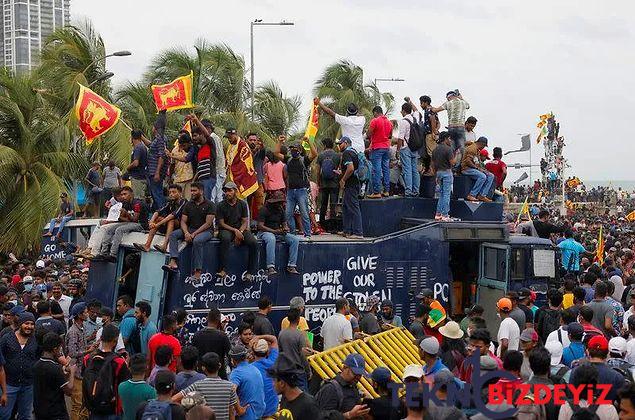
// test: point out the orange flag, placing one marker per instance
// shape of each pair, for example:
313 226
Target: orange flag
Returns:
95 115
174 95
188 127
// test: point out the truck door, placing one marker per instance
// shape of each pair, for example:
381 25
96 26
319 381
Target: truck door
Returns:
493 280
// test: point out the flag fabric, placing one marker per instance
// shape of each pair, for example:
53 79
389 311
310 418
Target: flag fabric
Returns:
599 252
543 133
631 216
241 168
188 127
574 182
524 210
312 126
174 95
95 115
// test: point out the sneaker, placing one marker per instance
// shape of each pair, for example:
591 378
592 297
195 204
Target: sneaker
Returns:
160 249
374 195
438 217
471 198
271 271
292 270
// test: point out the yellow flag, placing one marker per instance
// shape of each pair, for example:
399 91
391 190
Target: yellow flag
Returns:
631 216
524 210
599 252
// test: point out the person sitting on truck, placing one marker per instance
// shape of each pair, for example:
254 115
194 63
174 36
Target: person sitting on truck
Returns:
543 228
471 166
64 214
272 225
233 226
165 220
197 220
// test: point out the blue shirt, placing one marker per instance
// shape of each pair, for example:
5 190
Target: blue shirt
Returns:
571 250
575 351
145 332
127 326
187 378
250 390
17 361
140 153
271 398
156 151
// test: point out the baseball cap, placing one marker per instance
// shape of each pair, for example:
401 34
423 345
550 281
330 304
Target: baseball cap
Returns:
230 131
229 185
425 293
238 351
484 153
598 342
504 304
482 140
617 345
17 310
343 139
575 329
27 279
164 381
371 301
381 375
261 346
524 293
40 264
555 350
430 345
488 363
413 371
356 363
351 109
529 334
77 309
443 377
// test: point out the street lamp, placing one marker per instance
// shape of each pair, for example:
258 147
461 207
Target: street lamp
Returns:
101 78
259 22
392 79
122 53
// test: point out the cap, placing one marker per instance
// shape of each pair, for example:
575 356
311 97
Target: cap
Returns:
356 363
413 371
78 309
435 317
25 317
371 301
381 375
296 302
425 293
386 302
27 279
17 310
261 346
443 377
40 264
164 381
238 351
488 363
430 345
230 131
482 140
598 342
524 293
504 304
229 185
555 350
575 329
451 330
276 197
450 93
75 282
343 139
484 153
529 334
617 345
351 109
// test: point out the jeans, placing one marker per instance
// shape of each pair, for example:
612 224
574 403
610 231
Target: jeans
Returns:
114 240
457 135
156 192
351 212
198 245
226 238
300 197
482 182
270 246
208 188
23 397
217 191
409 171
445 179
380 159
328 199
62 224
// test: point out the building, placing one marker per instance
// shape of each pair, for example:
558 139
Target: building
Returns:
25 26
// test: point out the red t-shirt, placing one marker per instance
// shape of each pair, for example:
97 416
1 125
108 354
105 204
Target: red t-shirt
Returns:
161 339
382 129
496 167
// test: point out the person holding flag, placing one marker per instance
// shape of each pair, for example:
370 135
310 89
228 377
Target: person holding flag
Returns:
240 165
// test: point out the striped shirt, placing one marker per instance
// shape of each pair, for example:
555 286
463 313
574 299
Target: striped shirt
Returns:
456 112
218 393
204 166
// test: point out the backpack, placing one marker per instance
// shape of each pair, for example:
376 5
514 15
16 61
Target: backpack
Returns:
584 413
338 390
557 373
135 339
157 410
550 323
98 387
363 169
326 169
417 136
530 411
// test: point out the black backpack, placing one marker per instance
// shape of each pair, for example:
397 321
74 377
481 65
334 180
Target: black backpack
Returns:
584 413
417 135
338 391
98 387
326 169
550 323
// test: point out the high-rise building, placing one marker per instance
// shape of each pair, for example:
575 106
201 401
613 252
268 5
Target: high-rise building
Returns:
25 26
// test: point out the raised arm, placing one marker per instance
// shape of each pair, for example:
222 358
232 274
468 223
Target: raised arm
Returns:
323 107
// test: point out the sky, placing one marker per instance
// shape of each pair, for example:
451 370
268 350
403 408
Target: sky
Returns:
511 60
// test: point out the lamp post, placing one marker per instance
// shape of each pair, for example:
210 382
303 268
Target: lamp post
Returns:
259 22
122 53
391 79
101 78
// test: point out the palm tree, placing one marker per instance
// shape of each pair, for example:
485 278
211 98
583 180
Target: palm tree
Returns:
276 113
35 161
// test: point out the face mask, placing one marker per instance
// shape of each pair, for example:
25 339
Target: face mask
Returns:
28 287
295 153
98 320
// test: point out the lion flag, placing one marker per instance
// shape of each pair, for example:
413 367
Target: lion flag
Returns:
94 114
241 169
312 126
174 95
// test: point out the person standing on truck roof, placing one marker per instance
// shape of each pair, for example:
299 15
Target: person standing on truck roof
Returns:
508 332
543 228
349 184
442 161
352 124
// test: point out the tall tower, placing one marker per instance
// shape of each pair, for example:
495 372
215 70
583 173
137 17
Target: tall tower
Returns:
24 28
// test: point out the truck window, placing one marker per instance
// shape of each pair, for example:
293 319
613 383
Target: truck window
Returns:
495 263
517 269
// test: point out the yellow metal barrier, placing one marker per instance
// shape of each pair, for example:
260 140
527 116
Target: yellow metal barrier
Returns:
393 349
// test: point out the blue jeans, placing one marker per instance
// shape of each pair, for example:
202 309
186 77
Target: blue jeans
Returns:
457 135
198 245
445 179
409 171
208 188
351 212
62 224
299 197
156 191
270 246
380 158
482 182
23 397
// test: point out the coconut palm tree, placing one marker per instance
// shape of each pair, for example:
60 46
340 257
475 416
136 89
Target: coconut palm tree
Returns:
276 113
35 161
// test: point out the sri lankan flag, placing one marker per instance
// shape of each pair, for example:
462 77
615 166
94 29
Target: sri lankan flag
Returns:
95 115
174 95
188 127
524 210
599 252
312 126
241 170
631 216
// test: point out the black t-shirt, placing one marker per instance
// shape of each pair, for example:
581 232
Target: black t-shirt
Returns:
441 157
178 413
197 213
545 229
304 406
529 314
381 408
138 207
232 215
262 325
273 218
350 156
174 207
48 381
298 172
213 340
51 324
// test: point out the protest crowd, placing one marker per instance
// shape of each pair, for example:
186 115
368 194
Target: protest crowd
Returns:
65 356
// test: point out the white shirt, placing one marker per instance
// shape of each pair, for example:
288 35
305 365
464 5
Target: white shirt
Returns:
509 330
403 126
65 304
336 330
553 336
470 136
627 315
353 128
120 345
619 287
